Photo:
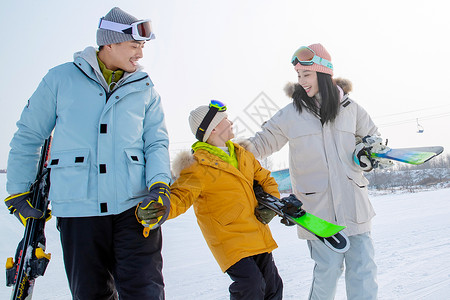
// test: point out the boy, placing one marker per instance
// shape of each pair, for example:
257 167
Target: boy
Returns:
217 179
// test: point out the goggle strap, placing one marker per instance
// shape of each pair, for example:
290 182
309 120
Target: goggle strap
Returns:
205 123
322 61
118 27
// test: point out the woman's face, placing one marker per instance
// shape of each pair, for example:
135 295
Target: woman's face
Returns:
308 80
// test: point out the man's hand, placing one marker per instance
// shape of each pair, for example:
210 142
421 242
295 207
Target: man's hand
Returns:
20 206
154 209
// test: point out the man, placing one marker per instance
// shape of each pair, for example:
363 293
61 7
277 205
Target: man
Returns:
109 161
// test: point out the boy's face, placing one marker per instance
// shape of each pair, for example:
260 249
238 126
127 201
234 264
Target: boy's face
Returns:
224 130
125 55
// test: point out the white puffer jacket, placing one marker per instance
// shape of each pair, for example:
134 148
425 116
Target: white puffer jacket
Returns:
323 173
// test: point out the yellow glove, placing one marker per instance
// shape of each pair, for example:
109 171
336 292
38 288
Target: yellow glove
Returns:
154 209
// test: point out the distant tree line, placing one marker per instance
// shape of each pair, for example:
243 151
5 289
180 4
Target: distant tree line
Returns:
434 173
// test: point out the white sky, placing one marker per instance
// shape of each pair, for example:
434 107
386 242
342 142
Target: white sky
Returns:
396 53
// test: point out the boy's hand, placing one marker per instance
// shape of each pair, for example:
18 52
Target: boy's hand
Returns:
264 214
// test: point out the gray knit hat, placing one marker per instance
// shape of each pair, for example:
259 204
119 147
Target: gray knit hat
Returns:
197 115
107 37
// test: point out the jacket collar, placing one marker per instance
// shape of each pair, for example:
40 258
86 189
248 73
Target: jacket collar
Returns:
87 61
211 160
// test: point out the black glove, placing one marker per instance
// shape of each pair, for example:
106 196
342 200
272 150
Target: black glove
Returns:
293 207
362 154
154 209
20 206
264 214
361 157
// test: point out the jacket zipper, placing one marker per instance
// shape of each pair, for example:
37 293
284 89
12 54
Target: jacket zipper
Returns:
108 94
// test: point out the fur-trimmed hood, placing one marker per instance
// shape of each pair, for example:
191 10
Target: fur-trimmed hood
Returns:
344 84
181 161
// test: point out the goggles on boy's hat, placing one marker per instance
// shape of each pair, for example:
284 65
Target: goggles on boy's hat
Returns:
307 57
140 30
214 107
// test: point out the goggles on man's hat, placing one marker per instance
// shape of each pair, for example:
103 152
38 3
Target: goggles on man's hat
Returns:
140 30
214 107
307 57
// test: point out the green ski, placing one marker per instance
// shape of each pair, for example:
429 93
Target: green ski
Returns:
317 225
330 234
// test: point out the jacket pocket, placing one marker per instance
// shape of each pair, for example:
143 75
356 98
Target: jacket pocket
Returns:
358 179
364 211
136 186
69 175
307 158
230 215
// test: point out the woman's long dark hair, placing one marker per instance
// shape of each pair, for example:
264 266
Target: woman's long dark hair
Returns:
329 94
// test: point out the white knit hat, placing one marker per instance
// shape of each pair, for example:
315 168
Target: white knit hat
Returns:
197 115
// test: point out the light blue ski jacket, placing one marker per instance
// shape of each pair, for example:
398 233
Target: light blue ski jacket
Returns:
109 145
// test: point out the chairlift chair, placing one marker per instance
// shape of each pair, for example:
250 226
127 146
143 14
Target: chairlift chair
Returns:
419 127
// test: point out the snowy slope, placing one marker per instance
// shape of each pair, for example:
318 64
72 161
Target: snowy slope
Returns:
411 234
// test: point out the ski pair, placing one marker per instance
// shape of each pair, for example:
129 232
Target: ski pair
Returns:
30 259
330 234
413 156
381 153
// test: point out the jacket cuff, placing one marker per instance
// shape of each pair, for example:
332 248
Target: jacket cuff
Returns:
17 188
159 178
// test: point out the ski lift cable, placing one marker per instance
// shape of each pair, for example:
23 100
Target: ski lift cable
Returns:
411 111
415 120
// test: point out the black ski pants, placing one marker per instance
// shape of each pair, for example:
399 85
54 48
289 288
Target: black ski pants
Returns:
255 278
108 257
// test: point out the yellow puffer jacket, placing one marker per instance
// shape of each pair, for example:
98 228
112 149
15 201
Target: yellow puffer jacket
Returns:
224 203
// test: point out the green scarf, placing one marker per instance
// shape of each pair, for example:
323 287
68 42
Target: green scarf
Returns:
231 159
110 76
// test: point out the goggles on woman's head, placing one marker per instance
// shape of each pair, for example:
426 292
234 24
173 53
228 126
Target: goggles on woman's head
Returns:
214 107
140 30
306 57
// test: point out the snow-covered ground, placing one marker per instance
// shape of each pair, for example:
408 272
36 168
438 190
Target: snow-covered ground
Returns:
411 234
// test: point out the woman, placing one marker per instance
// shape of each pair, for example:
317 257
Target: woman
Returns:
321 126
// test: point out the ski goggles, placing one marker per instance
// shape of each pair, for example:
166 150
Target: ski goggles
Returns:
307 57
214 107
140 30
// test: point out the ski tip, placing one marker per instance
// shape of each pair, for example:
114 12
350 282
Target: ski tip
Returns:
439 150
338 243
